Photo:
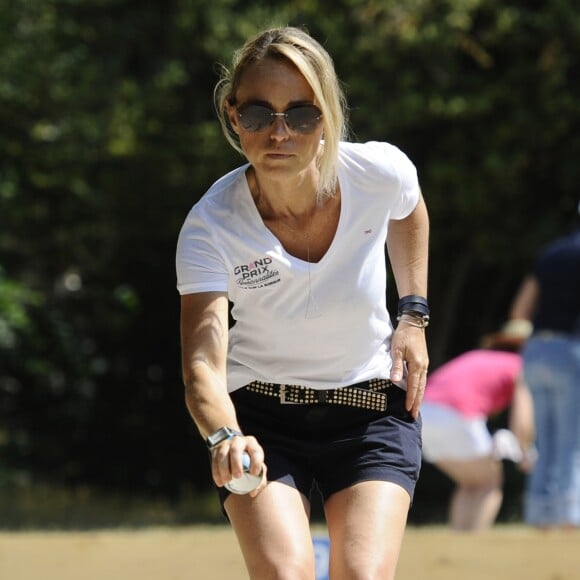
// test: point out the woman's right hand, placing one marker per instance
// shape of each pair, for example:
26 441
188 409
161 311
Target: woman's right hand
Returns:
226 461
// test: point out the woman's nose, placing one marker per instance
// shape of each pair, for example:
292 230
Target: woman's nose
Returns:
279 129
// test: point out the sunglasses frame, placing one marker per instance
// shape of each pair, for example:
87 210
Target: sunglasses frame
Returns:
240 111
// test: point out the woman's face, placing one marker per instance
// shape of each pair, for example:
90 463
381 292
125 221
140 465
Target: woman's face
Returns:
276 150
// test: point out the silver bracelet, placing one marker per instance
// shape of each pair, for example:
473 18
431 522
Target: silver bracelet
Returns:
417 321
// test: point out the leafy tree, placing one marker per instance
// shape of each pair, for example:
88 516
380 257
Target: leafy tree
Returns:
109 136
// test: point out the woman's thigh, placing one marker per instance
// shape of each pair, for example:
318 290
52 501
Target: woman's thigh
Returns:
482 472
366 524
273 532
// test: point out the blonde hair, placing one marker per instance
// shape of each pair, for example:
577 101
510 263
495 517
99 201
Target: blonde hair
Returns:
316 65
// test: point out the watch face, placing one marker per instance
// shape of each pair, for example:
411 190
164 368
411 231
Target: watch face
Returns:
219 436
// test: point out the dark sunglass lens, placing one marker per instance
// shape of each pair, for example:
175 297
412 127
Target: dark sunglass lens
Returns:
303 119
255 117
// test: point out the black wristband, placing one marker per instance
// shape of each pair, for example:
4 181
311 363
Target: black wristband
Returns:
414 303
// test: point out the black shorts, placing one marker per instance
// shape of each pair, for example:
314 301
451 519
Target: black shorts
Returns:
332 445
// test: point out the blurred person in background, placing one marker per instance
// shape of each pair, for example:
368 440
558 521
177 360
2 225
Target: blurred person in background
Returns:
461 396
550 298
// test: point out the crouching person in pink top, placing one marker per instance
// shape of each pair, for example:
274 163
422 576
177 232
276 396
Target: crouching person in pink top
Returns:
460 397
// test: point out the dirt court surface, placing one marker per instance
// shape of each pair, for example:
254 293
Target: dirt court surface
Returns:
211 553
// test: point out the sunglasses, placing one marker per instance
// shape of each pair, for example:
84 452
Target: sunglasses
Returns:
300 119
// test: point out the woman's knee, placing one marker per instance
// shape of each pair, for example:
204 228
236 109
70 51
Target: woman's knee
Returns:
282 566
358 569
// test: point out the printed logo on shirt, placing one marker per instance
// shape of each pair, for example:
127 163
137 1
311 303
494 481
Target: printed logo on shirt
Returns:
256 274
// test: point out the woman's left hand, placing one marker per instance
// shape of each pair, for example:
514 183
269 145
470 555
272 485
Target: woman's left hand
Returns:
409 346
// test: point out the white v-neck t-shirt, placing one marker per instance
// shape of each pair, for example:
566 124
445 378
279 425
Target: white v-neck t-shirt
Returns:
322 324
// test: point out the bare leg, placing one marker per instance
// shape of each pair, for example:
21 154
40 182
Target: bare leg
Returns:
366 523
478 495
274 533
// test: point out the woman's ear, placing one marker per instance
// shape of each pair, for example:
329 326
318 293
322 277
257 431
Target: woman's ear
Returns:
232 118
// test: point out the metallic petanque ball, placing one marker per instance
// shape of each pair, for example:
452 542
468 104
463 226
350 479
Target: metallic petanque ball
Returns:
247 482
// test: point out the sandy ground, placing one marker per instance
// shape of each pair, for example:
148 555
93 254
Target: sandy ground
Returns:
211 553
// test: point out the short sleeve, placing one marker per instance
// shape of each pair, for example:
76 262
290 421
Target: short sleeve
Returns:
199 265
385 169
393 160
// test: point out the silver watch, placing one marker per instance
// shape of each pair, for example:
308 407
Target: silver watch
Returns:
220 435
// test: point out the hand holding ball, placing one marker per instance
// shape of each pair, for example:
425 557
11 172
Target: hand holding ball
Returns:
247 482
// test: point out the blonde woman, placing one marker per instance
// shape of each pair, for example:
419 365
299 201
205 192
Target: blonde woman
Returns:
312 381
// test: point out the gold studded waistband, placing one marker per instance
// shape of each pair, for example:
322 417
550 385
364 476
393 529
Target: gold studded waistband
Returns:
368 395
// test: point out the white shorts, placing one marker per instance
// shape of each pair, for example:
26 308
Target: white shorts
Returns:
449 435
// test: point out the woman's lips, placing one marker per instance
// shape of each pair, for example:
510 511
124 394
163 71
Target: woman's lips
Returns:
278 155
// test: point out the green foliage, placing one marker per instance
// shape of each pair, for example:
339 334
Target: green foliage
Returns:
109 136
15 299
481 95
